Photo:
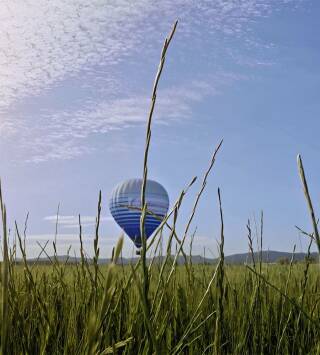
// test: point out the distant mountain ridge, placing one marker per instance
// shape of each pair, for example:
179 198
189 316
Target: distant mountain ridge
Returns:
270 256
267 256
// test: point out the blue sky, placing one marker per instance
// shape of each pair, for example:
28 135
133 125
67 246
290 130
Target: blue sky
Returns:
75 84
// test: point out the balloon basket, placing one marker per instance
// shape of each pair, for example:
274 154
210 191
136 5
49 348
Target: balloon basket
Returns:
138 252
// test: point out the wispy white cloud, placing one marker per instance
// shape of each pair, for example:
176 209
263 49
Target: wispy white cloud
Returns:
43 43
66 131
73 221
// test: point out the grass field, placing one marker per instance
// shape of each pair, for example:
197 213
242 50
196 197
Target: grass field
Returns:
151 308
80 309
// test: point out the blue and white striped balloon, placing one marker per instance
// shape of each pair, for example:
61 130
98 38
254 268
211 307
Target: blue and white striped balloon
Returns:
128 194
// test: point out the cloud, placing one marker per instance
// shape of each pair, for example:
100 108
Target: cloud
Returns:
64 134
44 44
43 41
73 221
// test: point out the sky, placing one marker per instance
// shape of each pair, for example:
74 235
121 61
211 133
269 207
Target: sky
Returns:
75 87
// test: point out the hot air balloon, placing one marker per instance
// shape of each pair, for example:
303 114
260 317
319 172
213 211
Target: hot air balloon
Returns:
125 207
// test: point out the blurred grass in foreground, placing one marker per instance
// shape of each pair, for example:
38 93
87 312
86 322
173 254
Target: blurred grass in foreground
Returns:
59 309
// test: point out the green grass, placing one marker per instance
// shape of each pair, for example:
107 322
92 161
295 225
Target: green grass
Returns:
60 310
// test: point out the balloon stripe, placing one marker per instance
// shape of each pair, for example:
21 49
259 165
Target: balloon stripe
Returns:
133 214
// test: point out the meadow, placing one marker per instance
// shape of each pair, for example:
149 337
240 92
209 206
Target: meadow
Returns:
191 309
156 306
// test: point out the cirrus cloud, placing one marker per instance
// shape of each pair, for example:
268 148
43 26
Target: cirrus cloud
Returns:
44 45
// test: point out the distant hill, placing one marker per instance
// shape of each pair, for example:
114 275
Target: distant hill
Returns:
270 256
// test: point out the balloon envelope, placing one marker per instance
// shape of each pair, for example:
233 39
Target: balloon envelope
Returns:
128 194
